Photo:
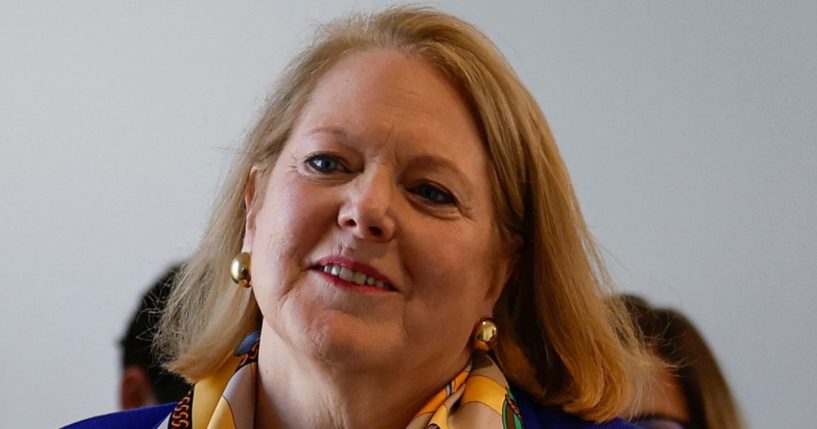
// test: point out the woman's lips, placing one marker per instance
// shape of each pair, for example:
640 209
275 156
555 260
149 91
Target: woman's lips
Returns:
346 284
345 272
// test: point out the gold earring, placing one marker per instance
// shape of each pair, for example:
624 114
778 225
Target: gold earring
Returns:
485 335
240 269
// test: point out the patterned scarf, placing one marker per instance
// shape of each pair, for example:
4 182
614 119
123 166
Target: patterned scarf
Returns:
478 397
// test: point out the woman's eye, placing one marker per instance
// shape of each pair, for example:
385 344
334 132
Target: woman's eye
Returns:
325 163
434 194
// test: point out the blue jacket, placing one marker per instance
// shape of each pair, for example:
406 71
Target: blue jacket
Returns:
533 417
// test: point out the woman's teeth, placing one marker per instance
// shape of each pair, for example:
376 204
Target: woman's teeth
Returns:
353 276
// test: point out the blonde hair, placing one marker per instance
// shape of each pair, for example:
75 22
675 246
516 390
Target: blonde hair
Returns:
562 342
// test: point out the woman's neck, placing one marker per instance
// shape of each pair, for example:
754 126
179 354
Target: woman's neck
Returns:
295 392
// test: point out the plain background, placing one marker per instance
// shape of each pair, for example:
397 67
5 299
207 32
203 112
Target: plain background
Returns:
689 128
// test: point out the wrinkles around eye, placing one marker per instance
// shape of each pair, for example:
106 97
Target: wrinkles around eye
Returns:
435 194
323 163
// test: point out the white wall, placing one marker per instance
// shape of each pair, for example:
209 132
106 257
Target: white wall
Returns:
689 128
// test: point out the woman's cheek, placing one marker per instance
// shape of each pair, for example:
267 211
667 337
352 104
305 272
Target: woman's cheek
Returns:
302 210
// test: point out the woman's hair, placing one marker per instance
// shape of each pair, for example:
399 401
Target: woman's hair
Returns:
562 341
690 360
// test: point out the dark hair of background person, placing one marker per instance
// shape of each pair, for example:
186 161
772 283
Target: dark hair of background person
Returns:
145 382
676 341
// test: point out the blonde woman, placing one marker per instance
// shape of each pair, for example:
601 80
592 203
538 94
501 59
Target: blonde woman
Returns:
406 250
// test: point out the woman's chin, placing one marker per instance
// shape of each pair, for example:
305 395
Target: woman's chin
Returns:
348 342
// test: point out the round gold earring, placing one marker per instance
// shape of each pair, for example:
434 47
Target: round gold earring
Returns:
485 335
240 269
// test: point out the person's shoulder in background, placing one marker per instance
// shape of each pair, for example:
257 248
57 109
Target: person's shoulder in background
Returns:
138 418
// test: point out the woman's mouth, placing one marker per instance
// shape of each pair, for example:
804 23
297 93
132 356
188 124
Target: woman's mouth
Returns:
346 276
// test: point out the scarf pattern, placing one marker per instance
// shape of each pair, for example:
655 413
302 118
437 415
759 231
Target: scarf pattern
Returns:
479 397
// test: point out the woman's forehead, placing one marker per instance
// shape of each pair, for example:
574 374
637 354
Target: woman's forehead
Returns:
392 87
385 99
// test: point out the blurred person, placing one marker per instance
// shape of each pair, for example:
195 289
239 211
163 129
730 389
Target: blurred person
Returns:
144 382
690 391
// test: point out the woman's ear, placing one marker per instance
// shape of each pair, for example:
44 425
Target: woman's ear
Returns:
505 268
251 205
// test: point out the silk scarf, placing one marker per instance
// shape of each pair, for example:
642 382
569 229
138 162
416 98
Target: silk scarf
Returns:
477 398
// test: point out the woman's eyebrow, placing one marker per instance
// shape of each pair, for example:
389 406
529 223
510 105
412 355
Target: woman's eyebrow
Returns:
438 163
338 133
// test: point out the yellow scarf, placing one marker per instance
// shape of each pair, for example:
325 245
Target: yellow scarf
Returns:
478 397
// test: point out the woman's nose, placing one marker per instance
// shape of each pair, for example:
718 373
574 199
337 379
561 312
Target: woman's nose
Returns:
367 211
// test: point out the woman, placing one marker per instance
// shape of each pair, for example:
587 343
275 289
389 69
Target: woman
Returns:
410 251
691 392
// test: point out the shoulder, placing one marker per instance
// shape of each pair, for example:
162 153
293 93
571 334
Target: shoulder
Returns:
538 417
140 418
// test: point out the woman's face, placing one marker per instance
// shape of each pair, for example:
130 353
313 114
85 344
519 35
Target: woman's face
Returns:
384 182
